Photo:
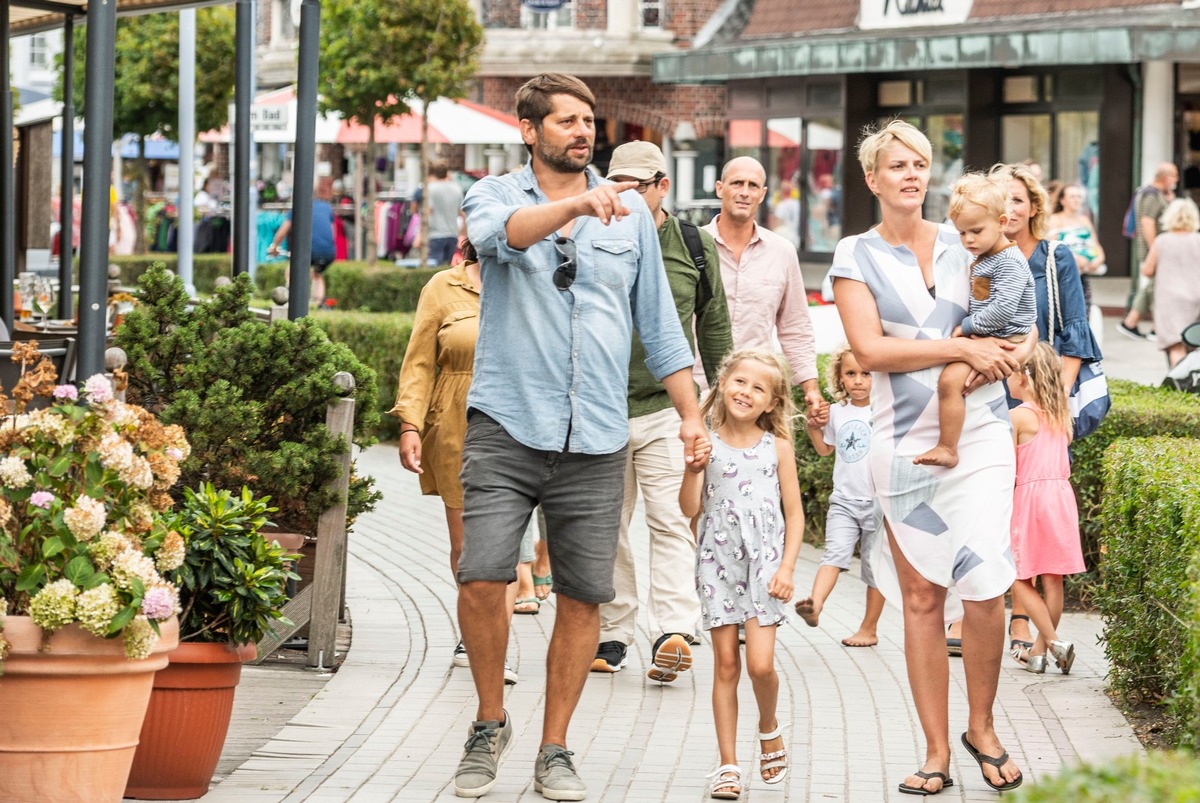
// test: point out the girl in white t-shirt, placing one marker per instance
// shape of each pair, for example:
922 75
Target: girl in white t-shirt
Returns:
853 516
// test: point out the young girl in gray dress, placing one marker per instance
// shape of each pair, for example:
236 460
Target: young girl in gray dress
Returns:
749 539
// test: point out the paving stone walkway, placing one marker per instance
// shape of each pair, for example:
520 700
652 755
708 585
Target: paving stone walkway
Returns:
391 723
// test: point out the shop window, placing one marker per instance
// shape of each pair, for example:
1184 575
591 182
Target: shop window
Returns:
824 143
1077 142
1189 79
945 91
39 51
825 94
895 93
945 132
745 138
1022 89
784 178
1027 136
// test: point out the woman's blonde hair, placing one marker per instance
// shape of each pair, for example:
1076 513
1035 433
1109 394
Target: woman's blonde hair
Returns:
876 139
833 374
1039 202
779 420
1181 215
1043 369
981 189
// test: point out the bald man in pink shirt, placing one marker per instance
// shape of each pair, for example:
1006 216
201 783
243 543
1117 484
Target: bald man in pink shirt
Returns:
768 308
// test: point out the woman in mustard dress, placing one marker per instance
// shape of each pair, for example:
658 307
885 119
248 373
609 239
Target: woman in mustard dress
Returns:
432 399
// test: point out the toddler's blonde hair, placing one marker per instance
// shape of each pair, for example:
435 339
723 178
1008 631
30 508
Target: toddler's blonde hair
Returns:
983 190
780 420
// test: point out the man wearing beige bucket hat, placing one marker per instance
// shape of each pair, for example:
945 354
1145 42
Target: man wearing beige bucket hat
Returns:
655 453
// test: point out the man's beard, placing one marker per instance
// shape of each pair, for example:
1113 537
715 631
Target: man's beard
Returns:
562 161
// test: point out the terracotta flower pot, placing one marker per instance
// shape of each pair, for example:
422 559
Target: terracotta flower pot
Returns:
186 722
70 715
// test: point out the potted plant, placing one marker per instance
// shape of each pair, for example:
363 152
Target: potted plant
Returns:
232 588
86 613
251 395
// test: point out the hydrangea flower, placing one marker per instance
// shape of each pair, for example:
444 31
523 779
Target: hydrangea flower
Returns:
159 603
86 518
13 472
69 392
96 607
54 606
171 553
98 389
42 499
139 638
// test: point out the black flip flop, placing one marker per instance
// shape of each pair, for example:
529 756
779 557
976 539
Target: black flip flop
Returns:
1014 643
921 790
995 762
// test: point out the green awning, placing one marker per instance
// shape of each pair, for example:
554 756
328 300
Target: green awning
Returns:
996 43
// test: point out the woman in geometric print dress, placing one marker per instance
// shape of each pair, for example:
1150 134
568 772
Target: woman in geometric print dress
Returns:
901 288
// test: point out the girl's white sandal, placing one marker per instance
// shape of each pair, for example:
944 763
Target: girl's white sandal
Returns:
725 782
774 760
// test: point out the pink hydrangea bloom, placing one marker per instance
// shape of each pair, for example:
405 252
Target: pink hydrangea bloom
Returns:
98 389
158 604
66 392
41 499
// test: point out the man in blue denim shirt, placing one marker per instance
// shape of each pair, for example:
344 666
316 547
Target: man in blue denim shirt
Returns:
570 266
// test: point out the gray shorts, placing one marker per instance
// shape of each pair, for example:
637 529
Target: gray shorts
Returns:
849 522
581 495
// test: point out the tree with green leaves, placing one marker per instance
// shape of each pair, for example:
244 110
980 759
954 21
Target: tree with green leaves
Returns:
146 83
379 55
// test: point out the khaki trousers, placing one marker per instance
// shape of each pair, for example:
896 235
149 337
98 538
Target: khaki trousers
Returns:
654 462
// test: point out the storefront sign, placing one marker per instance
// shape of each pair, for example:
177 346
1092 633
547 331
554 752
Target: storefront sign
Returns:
543 6
876 14
269 118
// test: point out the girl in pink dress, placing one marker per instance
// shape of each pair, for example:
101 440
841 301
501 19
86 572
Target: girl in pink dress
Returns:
1045 520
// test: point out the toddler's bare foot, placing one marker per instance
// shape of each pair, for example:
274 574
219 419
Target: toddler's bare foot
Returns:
863 638
938 456
809 611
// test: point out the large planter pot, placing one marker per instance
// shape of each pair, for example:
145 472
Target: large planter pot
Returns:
70 712
187 721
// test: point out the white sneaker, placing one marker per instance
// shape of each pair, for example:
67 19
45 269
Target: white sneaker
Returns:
510 675
460 655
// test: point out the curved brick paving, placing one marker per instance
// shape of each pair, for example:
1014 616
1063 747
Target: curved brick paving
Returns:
391 723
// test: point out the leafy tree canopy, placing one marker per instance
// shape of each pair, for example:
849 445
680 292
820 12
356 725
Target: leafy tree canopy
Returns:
376 55
146 85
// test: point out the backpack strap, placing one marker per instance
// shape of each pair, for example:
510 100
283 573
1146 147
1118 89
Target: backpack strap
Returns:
695 247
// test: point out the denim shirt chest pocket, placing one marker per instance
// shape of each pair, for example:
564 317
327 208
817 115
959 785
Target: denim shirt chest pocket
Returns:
615 261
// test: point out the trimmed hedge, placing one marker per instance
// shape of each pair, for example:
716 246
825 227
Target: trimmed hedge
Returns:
1151 519
1152 777
1138 411
205 267
356 286
379 340
815 472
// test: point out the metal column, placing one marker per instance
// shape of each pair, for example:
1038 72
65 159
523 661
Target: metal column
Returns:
306 152
66 188
187 146
243 138
8 201
97 166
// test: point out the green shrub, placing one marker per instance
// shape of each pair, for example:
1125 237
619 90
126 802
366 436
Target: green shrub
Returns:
1138 411
1151 519
205 267
251 396
815 472
356 286
379 339
1152 777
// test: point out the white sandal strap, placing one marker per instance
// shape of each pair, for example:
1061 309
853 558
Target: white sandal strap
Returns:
775 734
724 768
772 756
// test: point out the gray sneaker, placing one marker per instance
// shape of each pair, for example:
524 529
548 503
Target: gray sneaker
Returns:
554 775
487 742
